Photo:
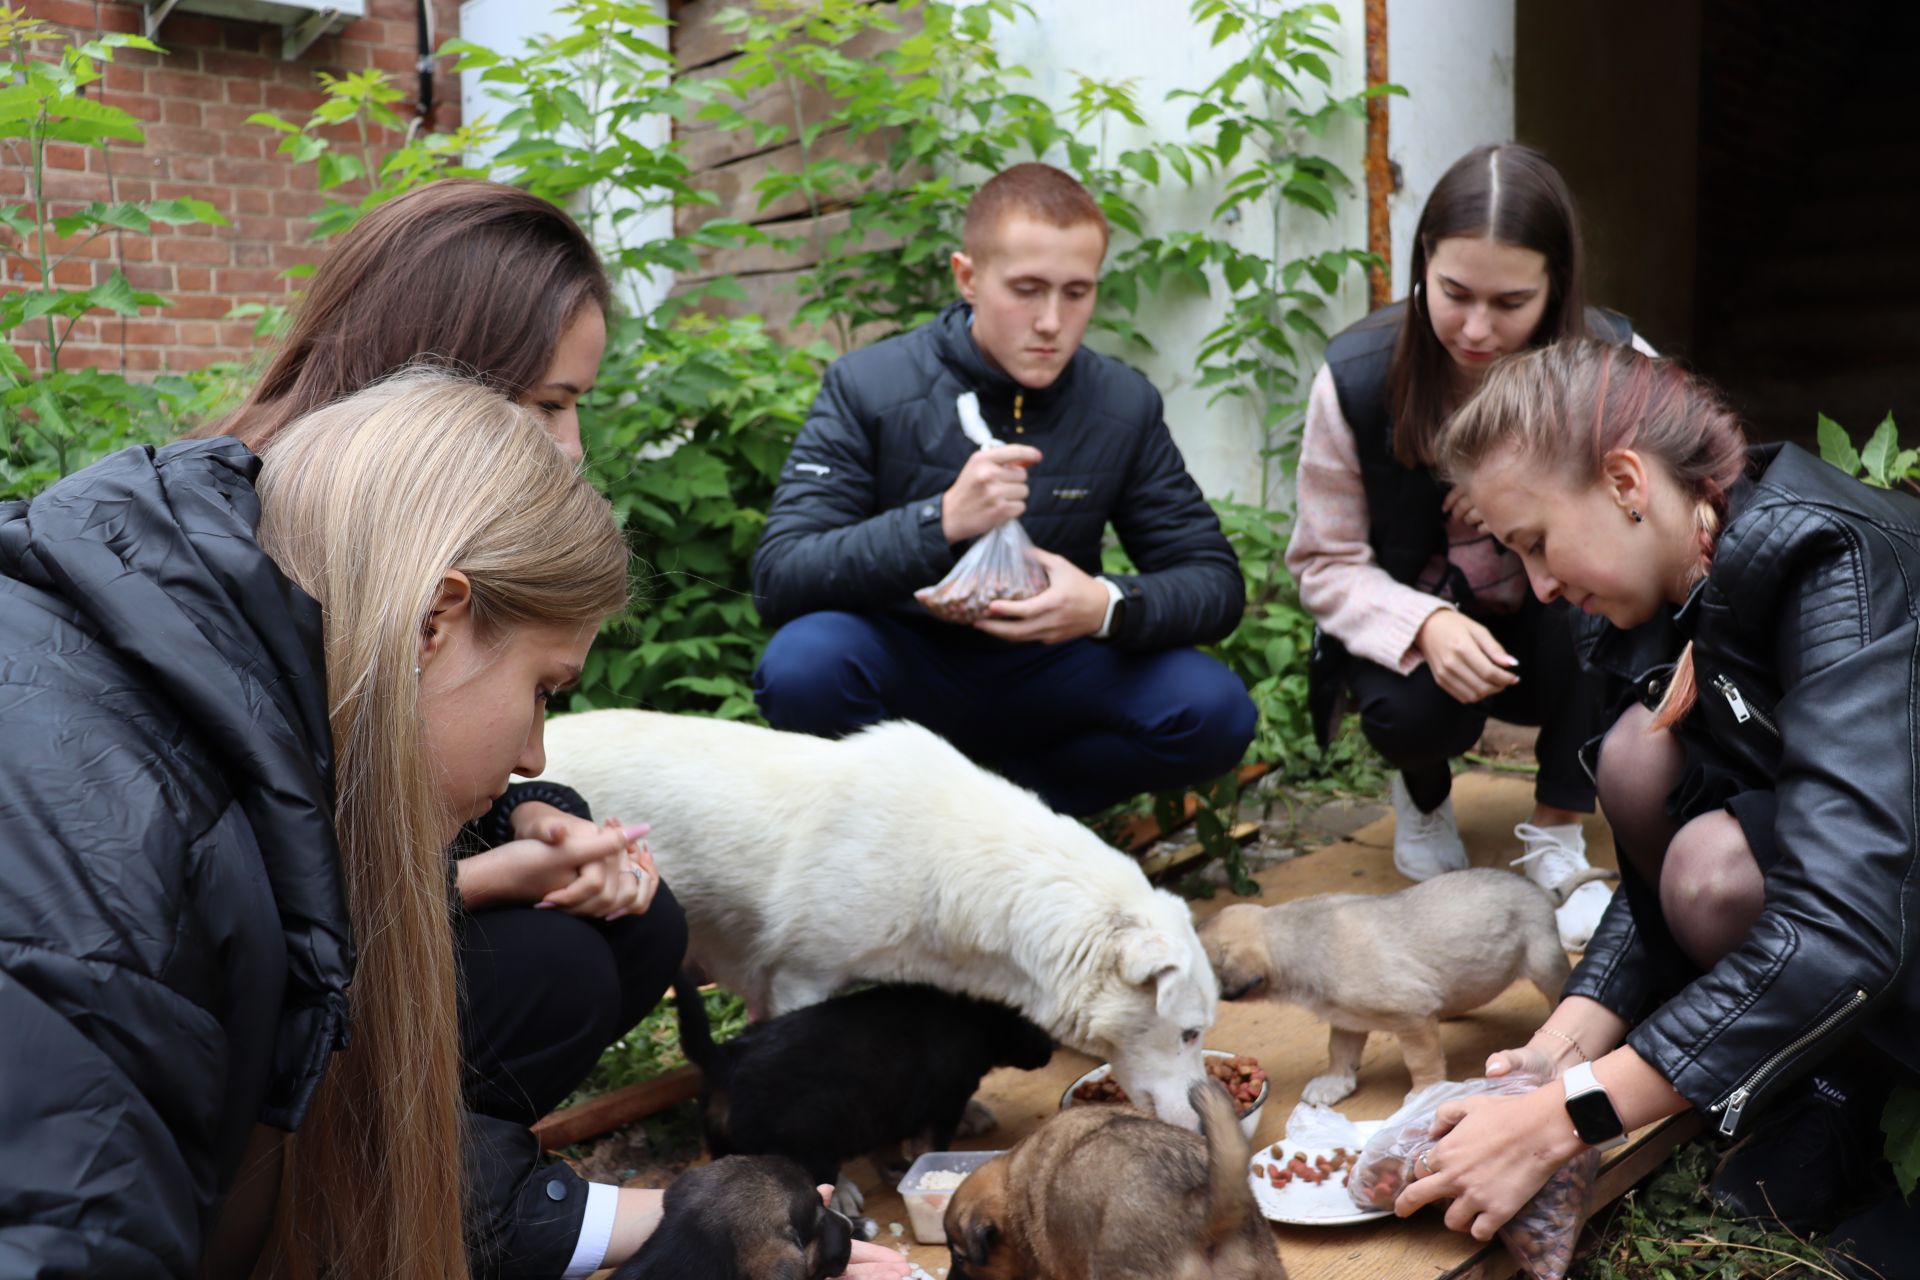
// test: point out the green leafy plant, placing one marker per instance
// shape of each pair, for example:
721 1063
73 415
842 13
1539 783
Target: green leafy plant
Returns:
64 417
1263 110
1880 462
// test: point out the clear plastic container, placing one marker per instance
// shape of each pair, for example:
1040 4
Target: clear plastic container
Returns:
927 1206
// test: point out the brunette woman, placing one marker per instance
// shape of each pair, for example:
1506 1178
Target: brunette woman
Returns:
1422 617
565 939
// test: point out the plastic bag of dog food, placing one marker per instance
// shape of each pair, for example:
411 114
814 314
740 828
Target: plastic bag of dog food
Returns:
1000 565
1542 1235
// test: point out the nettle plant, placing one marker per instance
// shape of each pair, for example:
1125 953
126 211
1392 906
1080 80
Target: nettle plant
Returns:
61 417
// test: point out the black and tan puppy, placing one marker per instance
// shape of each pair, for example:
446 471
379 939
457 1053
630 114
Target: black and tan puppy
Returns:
743 1218
884 1072
1112 1193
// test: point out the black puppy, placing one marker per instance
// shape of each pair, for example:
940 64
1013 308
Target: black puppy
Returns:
862 1074
743 1218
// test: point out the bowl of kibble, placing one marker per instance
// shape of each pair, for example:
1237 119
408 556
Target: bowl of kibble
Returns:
1241 1076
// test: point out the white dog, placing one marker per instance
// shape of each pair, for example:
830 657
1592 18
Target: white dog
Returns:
805 864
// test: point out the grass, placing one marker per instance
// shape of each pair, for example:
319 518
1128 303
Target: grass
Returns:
653 1047
1668 1229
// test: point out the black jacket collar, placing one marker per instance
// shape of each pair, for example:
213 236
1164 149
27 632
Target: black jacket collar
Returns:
954 344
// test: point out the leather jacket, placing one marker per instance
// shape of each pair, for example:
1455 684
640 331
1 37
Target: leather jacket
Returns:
1807 658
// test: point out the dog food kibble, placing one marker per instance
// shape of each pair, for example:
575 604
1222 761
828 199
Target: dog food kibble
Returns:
1242 1077
1321 1167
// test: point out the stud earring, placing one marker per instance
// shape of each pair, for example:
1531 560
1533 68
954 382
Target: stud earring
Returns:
416 672
1635 513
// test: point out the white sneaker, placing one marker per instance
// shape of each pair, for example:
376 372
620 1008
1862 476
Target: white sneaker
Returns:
1555 855
1424 844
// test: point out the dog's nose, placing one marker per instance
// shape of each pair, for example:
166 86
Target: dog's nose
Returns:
1234 989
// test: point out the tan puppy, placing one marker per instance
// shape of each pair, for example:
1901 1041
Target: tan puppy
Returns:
1108 1192
1395 962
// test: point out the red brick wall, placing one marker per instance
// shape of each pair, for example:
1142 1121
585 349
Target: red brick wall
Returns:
192 102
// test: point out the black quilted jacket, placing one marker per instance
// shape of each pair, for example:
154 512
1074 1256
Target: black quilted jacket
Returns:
1807 653
855 522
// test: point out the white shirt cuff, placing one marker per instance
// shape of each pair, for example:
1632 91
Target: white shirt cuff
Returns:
1114 593
596 1231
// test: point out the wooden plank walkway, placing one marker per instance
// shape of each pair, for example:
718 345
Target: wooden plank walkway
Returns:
1292 1046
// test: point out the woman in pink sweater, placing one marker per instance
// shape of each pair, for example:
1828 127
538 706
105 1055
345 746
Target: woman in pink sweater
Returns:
1423 618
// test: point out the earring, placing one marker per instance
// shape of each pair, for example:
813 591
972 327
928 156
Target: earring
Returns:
416 672
1635 513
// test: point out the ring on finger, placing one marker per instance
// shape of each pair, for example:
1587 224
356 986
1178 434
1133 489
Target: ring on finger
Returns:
638 878
1426 1160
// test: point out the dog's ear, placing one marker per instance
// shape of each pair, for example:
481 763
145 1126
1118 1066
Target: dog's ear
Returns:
1145 954
978 1237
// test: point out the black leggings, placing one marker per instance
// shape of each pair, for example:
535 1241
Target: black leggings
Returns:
544 993
1419 727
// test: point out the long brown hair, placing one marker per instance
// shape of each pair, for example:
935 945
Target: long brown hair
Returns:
479 276
1569 405
366 504
1507 193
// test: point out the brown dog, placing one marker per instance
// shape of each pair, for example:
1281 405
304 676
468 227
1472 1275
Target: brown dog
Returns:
1109 1192
1397 962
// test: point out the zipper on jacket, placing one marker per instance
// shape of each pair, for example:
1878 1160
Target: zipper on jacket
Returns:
1741 711
1019 398
1736 1102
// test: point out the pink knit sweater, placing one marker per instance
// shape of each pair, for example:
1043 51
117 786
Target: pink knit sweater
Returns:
1352 598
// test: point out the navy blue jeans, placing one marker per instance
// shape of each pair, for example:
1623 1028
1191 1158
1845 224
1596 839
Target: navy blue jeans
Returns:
1082 723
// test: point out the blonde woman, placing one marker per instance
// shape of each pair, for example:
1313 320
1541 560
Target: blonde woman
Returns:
247 705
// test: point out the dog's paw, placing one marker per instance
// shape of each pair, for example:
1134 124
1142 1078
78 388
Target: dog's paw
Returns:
1324 1091
847 1198
975 1120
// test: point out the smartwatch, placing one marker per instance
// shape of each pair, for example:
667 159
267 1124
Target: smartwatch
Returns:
1116 609
1590 1109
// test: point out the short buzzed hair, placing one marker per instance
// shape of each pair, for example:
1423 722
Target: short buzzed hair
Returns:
1038 190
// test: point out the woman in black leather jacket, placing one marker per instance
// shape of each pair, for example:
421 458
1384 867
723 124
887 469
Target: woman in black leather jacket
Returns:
1767 809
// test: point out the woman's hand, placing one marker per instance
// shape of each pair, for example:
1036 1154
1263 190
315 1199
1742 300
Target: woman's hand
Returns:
1492 1155
1458 504
583 868
870 1261
1467 662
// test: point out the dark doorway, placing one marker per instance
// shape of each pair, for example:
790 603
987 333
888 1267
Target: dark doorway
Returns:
1749 173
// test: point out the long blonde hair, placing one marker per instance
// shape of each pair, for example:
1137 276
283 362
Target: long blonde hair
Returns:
366 504
1569 405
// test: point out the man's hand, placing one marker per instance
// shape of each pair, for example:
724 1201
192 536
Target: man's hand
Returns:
991 489
1073 605
1468 663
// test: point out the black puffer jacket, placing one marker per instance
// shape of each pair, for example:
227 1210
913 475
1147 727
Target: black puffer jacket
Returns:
173 944
1807 653
174 950
855 522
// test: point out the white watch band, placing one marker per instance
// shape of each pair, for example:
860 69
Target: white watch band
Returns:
1579 1079
1114 596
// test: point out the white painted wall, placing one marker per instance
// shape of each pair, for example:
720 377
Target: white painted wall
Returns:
506 26
1154 42
1455 58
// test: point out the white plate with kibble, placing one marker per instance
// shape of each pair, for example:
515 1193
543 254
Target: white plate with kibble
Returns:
1306 1186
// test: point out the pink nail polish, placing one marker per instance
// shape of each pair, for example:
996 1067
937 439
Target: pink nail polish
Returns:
637 830
542 906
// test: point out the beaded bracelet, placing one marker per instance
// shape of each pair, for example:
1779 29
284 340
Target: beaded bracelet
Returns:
1561 1035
